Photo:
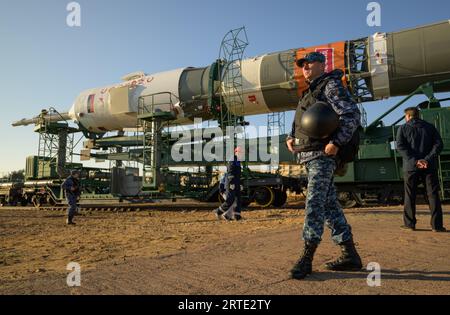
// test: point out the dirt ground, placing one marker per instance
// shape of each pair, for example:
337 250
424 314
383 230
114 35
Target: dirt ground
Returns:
190 252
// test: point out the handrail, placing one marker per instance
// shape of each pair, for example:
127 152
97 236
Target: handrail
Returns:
426 88
143 108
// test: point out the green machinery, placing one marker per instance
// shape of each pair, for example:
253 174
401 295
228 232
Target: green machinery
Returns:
45 172
376 176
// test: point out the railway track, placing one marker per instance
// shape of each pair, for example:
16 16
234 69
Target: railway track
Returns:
127 207
176 207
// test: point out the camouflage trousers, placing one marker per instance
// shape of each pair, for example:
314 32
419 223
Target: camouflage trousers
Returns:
322 205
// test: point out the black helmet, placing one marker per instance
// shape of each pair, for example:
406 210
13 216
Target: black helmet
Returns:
319 121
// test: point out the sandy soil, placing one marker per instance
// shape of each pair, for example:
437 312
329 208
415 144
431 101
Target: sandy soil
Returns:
190 252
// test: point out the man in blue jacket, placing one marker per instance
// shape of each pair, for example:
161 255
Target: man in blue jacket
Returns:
419 143
72 191
231 207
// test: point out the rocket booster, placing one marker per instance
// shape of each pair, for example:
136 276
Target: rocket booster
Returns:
375 67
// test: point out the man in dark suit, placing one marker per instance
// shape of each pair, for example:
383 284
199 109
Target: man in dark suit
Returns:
419 143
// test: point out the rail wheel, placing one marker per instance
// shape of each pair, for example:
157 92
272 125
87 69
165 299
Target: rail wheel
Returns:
397 198
346 199
264 196
280 198
50 201
37 201
24 201
246 201
10 201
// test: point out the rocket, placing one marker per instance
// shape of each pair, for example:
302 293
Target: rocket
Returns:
376 67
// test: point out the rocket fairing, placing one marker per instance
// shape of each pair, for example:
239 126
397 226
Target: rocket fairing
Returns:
375 67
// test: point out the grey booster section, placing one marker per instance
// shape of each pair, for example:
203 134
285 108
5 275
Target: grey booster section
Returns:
193 82
417 56
193 90
277 81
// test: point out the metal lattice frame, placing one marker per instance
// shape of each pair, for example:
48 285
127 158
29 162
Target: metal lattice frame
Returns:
56 144
231 102
231 90
152 121
358 75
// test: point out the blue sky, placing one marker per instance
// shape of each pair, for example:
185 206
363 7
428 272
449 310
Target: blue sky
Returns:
43 62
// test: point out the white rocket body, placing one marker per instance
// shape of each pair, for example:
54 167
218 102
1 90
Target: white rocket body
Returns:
375 67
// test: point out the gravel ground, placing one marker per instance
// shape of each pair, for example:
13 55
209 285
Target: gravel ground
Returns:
190 252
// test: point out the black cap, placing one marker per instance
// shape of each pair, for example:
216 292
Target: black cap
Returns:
311 57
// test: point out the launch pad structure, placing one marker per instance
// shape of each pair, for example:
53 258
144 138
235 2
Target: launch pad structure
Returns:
151 147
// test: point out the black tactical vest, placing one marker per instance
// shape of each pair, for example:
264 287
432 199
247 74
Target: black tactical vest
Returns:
305 143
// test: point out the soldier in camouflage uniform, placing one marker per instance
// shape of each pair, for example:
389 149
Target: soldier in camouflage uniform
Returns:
320 159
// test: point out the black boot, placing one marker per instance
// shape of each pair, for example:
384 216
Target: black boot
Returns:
218 213
303 267
69 220
237 216
349 260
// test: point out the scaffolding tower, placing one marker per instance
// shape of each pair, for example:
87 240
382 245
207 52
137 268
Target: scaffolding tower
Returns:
55 147
155 111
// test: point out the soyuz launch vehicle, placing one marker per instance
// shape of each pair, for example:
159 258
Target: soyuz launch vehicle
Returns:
375 67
